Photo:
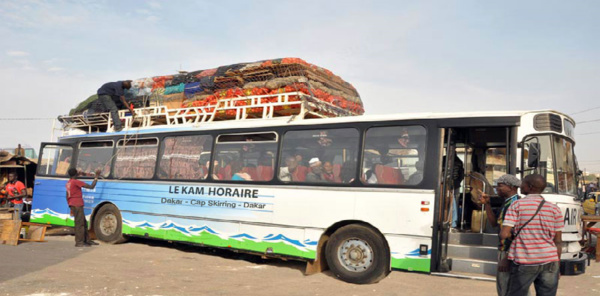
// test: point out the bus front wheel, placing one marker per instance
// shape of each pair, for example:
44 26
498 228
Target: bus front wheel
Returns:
108 225
357 254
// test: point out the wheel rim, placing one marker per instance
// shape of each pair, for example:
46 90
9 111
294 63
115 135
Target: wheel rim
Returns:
108 224
355 255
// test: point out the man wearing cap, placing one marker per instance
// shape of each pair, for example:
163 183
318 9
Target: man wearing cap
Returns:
537 246
507 188
316 172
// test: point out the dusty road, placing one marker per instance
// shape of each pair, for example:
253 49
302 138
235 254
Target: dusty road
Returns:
143 267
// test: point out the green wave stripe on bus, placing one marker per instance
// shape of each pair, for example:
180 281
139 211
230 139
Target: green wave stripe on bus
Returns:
49 219
412 264
213 240
209 239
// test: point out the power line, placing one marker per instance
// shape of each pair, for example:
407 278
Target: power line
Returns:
586 121
590 133
583 111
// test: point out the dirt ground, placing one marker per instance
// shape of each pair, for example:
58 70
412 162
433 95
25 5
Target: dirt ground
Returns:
145 267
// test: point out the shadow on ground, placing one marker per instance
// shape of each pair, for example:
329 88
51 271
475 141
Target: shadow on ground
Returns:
223 253
28 257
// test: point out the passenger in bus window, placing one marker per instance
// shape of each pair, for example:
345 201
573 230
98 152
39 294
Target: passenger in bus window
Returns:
348 172
404 140
296 171
299 158
286 172
215 175
315 174
417 176
240 173
328 175
224 169
371 176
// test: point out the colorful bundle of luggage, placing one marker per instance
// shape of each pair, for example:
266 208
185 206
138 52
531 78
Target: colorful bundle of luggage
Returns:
205 88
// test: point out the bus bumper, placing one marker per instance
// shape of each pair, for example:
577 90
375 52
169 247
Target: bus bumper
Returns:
574 266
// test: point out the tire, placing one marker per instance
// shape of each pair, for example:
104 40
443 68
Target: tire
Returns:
357 254
108 225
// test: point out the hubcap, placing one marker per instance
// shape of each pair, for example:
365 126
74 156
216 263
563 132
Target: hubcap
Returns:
355 255
108 224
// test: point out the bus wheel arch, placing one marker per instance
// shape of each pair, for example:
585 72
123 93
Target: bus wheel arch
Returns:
107 223
362 233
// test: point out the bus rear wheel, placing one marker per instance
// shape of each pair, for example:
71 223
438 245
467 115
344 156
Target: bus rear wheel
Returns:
357 254
108 225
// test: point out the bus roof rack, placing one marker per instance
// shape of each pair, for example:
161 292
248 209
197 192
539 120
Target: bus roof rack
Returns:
297 104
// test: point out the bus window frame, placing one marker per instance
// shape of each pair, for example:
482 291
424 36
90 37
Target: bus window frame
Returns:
161 149
217 140
280 160
113 146
421 123
115 156
568 139
214 154
431 126
71 164
554 168
523 160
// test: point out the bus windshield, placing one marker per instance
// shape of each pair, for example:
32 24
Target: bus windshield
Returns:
551 156
565 166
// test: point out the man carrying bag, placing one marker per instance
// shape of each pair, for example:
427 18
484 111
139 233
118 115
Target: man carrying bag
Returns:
536 247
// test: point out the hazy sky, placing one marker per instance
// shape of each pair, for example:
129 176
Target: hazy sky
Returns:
402 56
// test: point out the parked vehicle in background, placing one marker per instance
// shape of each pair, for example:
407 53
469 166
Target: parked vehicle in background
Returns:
28 151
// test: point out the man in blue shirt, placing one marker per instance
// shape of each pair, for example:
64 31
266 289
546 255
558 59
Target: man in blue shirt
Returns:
507 188
111 98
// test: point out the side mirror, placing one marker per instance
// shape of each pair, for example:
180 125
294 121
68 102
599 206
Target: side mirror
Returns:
533 157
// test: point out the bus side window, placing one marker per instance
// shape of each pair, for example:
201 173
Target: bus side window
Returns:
136 158
394 155
94 156
245 157
56 160
185 157
495 164
319 156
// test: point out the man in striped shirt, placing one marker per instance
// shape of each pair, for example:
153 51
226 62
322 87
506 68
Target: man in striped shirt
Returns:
535 252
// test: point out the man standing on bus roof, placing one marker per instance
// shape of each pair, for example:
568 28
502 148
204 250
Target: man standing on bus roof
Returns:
507 189
75 201
111 98
536 247
16 191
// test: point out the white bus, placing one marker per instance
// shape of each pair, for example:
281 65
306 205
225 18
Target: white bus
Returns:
360 195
